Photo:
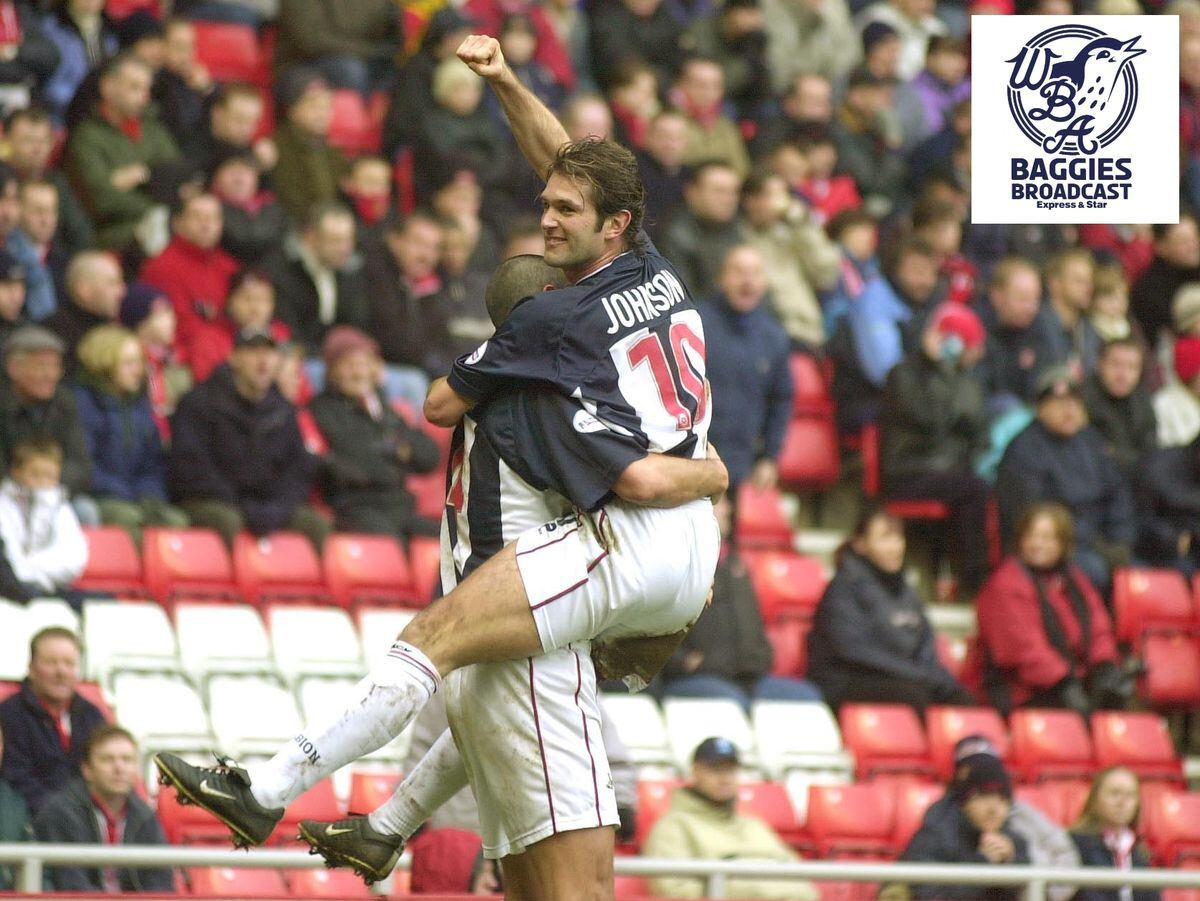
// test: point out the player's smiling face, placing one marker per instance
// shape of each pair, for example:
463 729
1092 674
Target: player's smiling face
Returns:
570 226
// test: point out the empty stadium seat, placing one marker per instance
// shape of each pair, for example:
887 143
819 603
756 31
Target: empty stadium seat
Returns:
187 562
425 558
788 585
1172 675
314 641
810 392
850 820
654 799
113 565
769 802
913 798
221 638
628 888
1150 599
250 715
370 788
1043 797
188 824
691 720
367 568
1047 744
789 641
429 492
163 712
227 882
318 803
326 883
809 459
797 735
229 51
378 628
762 521
884 738
944 726
279 567
639 724
1139 741
125 635
1172 821
352 128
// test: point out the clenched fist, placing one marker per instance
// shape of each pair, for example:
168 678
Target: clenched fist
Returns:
483 55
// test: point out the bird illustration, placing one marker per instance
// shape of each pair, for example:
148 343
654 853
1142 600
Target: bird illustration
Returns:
1095 69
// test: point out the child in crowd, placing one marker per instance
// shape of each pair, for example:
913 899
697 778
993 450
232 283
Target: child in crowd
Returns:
148 313
254 222
368 191
857 236
1110 305
43 541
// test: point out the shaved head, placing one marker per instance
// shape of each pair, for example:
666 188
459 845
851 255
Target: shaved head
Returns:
518 278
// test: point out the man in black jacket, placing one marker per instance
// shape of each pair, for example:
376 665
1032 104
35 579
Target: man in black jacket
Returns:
1019 346
1167 483
371 449
237 458
726 654
1118 405
46 725
101 808
933 426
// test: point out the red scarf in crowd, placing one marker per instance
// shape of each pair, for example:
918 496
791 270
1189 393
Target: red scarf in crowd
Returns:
131 128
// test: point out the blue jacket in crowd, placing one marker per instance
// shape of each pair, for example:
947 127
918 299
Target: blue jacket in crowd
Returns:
128 461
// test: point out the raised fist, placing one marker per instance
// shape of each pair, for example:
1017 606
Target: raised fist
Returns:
483 55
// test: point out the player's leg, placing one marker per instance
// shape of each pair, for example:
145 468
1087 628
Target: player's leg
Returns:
576 864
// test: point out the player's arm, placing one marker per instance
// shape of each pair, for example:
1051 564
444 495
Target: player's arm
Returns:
444 406
657 480
538 132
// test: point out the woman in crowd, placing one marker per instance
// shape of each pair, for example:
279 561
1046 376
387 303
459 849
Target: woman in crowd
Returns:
128 463
1045 637
870 639
1106 834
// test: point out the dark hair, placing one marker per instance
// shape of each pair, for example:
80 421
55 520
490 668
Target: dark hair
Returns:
517 278
909 245
848 219
53 632
934 212
35 446
35 115
522 226
1060 516
756 182
868 516
399 223
629 70
185 200
104 733
1127 341
120 61
944 43
702 168
1161 229
8 176
612 172
246 275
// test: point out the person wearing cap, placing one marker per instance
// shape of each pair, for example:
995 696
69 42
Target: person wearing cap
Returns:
12 295
129 467
237 458
868 149
1045 637
371 449
33 401
194 272
309 167
1118 404
932 427
1177 403
95 286
1059 457
977 821
703 823
113 154
914 21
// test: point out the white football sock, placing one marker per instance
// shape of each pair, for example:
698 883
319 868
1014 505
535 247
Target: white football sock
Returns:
380 707
436 778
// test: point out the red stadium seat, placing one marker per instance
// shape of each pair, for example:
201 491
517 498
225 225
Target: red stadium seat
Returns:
370 788
1139 741
367 568
327 884
630 887
809 459
1173 826
113 564
123 9
810 390
769 802
226 882
944 726
952 656
885 738
191 562
1044 797
761 519
230 51
1049 743
279 567
789 641
1073 795
788 584
848 820
90 691
318 803
912 800
425 557
188 824
429 491
654 797
353 129
8 689
1172 676
1150 599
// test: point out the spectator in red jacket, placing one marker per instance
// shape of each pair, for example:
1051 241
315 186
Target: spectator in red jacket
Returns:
194 272
1045 635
